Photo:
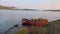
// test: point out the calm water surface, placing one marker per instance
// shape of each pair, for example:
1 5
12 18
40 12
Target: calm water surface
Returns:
9 18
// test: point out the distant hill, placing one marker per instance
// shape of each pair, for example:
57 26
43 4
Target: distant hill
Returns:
6 7
14 8
28 9
52 10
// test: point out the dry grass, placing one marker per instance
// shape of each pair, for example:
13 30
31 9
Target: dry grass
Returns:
37 30
22 31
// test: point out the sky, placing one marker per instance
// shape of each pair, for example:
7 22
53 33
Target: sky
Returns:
33 4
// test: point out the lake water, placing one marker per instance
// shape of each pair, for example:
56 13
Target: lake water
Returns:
9 18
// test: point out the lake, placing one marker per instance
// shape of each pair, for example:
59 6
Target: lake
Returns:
9 18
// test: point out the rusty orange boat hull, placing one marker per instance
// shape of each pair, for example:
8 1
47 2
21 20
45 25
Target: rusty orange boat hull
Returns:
39 23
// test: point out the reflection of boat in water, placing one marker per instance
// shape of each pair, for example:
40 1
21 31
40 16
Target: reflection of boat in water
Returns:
34 21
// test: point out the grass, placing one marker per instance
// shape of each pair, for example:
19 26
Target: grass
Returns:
22 31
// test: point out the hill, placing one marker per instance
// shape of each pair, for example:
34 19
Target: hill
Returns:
52 10
6 7
28 9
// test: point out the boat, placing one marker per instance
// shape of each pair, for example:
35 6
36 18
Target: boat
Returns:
34 21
